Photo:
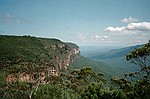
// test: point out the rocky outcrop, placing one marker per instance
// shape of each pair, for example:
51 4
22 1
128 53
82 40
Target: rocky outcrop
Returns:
21 77
64 59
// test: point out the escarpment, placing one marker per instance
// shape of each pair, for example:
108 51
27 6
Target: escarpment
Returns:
31 59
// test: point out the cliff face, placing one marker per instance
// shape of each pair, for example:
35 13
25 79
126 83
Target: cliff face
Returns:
67 56
32 59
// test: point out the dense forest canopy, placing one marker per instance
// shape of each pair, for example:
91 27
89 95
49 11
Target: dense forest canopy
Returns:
35 68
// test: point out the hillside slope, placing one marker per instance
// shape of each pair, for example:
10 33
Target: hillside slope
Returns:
98 66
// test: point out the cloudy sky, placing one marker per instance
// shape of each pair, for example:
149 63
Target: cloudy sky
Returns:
84 22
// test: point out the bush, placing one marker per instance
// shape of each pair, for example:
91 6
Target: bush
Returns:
49 92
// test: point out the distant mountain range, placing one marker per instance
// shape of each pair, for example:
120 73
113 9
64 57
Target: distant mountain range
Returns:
115 53
116 58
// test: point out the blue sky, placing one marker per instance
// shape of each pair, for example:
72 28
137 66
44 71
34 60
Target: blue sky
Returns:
84 22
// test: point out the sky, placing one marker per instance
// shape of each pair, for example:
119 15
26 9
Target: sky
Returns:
84 22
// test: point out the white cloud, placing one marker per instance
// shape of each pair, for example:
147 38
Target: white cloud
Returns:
130 28
143 26
105 36
92 38
115 29
129 20
98 37
110 41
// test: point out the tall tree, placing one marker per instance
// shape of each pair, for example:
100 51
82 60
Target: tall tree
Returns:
141 57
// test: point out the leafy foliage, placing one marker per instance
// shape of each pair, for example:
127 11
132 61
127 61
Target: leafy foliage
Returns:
141 57
96 91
